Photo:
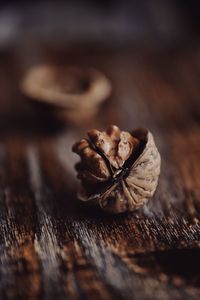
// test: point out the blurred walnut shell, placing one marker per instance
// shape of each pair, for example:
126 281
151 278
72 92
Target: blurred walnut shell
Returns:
71 93
134 179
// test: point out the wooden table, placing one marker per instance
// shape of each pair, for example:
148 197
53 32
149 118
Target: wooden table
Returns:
53 247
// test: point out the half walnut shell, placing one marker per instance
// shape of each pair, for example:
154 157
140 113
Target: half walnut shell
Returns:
119 170
70 93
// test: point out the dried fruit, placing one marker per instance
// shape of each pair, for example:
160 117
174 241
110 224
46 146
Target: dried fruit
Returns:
119 170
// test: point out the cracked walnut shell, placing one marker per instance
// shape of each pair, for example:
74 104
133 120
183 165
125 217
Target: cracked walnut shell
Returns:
70 94
119 170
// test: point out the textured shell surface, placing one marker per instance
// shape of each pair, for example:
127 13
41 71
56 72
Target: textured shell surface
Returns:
141 182
133 189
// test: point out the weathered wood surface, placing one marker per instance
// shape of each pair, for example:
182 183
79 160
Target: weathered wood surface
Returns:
53 247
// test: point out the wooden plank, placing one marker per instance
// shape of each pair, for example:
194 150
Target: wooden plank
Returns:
52 246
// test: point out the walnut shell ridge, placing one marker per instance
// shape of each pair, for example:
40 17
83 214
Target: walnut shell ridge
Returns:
126 176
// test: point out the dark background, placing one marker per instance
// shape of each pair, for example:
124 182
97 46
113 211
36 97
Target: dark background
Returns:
109 21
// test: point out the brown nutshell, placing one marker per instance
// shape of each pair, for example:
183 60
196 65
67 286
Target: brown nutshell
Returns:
72 94
118 170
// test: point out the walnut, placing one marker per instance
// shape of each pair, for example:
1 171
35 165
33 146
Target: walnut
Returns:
72 93
119 170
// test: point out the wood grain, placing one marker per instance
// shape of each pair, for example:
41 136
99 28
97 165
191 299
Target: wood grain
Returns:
52 246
